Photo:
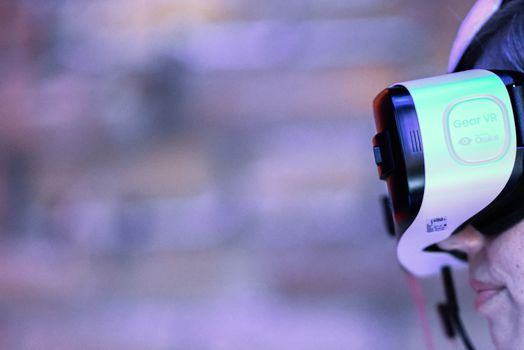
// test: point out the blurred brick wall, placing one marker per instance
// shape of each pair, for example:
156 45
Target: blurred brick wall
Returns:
198 174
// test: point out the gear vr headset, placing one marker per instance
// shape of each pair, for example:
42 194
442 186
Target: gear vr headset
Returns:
451 151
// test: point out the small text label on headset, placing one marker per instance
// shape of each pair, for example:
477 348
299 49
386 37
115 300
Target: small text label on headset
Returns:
437 224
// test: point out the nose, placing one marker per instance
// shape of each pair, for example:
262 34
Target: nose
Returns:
468 240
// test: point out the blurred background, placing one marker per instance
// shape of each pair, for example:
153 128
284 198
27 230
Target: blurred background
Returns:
198 174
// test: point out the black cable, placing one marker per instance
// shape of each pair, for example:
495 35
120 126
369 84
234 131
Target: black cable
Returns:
450 310
459 327
449 289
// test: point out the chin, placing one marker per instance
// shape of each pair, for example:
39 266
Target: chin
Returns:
506 331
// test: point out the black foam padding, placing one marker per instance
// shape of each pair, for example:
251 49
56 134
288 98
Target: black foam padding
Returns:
517 100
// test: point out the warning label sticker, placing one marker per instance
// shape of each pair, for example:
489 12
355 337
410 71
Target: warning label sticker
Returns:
437 224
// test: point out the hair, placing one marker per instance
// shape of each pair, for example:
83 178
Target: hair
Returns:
504 33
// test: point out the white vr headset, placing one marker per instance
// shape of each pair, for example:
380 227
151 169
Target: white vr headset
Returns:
451 152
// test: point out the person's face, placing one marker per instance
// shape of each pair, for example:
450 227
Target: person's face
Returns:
496 272
496 264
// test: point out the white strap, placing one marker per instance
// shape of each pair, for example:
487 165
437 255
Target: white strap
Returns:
477 16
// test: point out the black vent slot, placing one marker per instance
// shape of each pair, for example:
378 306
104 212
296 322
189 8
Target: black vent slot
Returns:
416 143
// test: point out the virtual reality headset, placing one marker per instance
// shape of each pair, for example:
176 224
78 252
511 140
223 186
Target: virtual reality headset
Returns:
450 149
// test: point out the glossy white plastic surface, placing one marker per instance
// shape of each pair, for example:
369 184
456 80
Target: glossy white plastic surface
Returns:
469 142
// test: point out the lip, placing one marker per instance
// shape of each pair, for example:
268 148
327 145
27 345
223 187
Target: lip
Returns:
485 292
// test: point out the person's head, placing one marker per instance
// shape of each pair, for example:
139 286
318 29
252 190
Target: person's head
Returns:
497 261
499 44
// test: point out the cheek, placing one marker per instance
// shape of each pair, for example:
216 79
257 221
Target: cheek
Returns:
506 255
